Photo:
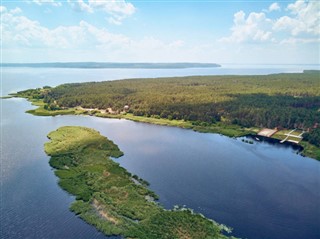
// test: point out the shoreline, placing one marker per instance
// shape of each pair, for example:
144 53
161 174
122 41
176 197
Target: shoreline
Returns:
229 130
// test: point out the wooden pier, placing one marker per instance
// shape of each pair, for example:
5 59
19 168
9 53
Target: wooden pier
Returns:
299 137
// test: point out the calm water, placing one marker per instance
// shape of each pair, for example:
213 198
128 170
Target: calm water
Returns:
261 190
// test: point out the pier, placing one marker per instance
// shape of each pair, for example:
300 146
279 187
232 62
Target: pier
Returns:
290 134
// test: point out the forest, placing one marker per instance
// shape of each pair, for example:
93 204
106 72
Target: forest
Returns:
290 100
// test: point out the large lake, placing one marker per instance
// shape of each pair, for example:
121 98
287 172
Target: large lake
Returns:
263 191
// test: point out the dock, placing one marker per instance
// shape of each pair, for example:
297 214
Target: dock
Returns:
298 137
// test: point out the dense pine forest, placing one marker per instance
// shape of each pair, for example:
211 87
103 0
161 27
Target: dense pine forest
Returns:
278 100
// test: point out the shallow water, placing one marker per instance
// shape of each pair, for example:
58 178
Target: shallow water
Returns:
261 190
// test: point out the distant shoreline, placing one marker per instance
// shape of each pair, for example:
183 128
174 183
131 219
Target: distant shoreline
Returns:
115 65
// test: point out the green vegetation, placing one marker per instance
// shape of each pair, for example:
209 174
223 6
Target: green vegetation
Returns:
312 143
219 127
310 150
43 110
36 96
282 100
6 97
313 137
229 105
112 199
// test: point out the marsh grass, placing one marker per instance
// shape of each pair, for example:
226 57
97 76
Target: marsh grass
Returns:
107 195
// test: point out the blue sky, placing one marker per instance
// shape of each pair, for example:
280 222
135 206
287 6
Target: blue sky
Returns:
248 32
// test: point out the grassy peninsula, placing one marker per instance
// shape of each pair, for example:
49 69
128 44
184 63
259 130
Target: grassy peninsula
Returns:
112 199
229 105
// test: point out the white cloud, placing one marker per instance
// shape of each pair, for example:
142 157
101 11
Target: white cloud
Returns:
256 28
294 41
23 32
274 7
239 18
79 5
101 37
28 40
115 20
25 40
297 6
3 9
286 22
117 10
17 10
51 2
20 31
177 43
114 7
305 18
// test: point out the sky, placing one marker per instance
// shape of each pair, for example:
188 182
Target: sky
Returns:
216 31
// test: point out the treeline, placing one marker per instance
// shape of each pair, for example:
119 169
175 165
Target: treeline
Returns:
280 111
313 137
279 100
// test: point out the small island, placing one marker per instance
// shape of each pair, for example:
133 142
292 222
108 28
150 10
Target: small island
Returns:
112 199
